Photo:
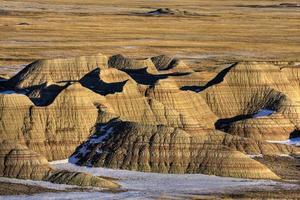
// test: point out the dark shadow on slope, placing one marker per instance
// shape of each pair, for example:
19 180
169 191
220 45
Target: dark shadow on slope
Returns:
163 62
193 88
40 95
94 83
216 80
295 134
13 81
3 84
121 62
101 134
47 94
223 124
141 76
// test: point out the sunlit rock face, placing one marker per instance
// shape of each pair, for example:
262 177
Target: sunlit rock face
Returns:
163 149
57 70
272 127
55 130
17 161
150 115
247 89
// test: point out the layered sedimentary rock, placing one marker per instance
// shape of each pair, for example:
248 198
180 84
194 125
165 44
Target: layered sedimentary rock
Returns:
163 63
178 108
274 127
57 70
251 146
17 161
14 110
158 148
55 130
152 115
121 62
293 74
80 179
245 88
45 94
149 98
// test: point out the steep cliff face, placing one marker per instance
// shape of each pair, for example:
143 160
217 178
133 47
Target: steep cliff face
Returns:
149 98
163 149
179 108
292 73
274 127
15 113
246 88
55 130
148 115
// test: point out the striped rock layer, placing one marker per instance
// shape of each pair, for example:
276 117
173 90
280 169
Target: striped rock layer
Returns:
153 115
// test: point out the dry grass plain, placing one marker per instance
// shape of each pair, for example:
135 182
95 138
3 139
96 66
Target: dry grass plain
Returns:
224 31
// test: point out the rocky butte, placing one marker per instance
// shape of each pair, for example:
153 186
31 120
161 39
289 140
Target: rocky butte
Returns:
152 115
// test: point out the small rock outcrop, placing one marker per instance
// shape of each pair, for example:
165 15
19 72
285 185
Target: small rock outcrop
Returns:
17 161
170 64
80 179
124 63
170 11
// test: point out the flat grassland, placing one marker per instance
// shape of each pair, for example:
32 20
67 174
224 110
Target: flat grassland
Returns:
224 29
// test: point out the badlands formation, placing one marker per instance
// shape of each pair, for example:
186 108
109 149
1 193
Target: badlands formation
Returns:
152 115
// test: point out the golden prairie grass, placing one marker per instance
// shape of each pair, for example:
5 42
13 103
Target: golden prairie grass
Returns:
225 31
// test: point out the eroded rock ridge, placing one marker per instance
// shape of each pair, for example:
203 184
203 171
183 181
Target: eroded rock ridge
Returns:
150 115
